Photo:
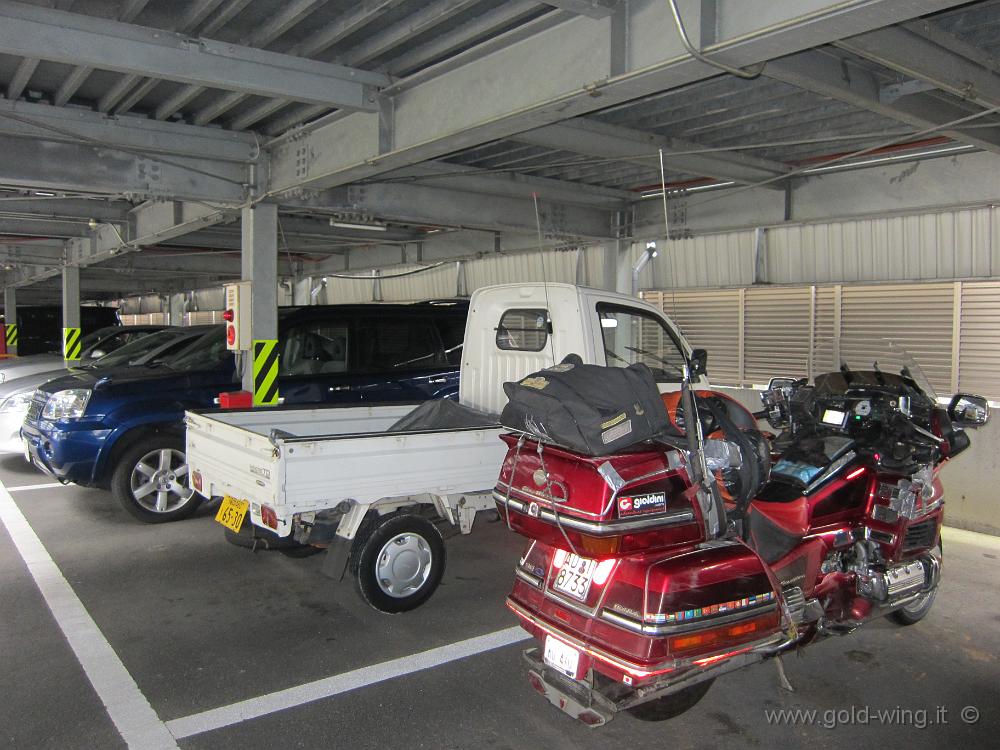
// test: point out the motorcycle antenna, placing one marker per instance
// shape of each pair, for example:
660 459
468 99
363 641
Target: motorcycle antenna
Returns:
545 277
666 236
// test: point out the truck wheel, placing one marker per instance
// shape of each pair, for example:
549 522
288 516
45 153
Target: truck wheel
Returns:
150 480
669 706
398 560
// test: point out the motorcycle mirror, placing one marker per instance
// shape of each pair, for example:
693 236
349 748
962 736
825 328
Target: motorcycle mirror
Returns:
698 363
969 411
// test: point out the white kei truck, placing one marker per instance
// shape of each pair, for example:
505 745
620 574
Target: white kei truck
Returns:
351 480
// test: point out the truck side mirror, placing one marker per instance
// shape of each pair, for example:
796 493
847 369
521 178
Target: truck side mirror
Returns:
698 365
969 411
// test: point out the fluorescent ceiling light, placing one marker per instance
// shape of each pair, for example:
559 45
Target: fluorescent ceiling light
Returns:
350 225
911 156
682 191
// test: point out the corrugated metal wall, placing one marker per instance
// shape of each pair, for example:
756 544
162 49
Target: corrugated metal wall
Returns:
955 244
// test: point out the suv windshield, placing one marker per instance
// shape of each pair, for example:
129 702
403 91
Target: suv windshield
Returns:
126 354
206 353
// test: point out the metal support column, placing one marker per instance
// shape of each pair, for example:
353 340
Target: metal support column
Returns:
260 267
70 305
10 318
175 309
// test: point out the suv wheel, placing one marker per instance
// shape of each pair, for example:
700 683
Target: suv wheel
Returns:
150 480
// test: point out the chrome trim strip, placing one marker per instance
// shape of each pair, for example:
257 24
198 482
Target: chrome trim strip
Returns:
668 472
612 528
592 650
527 577
667 629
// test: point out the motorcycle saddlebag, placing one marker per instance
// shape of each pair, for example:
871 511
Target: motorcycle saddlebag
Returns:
661 612
593 410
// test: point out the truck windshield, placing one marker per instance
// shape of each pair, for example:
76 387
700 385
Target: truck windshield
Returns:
632 335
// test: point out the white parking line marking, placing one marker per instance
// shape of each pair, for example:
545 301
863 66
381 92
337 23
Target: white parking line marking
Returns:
253 708
28 487
128 708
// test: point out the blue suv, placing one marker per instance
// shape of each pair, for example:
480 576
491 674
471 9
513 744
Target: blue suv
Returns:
123 430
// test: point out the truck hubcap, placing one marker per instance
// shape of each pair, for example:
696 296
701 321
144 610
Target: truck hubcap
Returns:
403 565
159 481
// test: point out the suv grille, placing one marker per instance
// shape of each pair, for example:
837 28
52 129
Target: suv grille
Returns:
35 409
920 535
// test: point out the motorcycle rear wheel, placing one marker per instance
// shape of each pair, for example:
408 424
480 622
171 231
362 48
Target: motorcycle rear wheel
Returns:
670 706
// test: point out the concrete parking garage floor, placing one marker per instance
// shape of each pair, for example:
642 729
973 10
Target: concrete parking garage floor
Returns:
233 649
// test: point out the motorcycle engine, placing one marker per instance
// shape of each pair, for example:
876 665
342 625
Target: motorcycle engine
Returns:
885 584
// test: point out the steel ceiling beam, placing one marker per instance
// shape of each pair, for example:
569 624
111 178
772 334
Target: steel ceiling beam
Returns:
85 168
504 93
826 74
42 122
79 74
30 31
148 224
593 138
924 57
378 44
195 16
436 206
317 42
589 8
459 177
261 37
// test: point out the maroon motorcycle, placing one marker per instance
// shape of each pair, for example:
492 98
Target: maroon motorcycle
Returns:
658 568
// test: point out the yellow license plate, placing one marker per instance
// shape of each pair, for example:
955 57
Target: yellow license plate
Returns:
231 512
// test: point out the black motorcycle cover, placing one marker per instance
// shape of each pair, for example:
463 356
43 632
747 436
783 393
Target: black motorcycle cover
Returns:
588 409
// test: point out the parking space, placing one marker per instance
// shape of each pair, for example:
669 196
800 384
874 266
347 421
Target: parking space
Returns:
236 649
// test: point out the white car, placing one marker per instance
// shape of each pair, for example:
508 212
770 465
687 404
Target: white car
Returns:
94 346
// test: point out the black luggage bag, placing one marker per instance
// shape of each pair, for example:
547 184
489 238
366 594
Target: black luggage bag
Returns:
592 410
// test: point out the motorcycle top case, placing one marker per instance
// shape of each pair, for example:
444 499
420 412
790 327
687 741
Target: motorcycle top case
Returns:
593 410
604 506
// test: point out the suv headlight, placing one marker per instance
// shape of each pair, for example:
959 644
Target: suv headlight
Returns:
17 401
68 404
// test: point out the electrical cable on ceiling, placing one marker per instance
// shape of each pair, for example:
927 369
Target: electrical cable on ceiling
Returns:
399 275
698 54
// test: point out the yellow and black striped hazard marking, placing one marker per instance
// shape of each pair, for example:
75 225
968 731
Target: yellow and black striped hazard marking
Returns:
11 335
265 372
71 344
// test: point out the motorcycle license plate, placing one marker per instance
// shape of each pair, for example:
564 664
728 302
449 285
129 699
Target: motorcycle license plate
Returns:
574 577
561 657
232 512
